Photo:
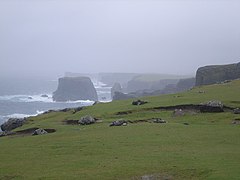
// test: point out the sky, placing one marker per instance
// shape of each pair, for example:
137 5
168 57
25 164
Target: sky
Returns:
50 37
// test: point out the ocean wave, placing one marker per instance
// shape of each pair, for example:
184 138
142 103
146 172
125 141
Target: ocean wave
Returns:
40 98
19 115
27 98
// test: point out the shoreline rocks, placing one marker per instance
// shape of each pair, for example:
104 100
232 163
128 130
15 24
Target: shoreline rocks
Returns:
13 123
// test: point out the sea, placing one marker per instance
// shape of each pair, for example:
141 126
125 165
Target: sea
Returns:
21 98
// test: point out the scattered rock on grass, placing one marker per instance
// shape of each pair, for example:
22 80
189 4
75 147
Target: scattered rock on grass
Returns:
86 120
118 123
39 131
139 102
236 111
159 120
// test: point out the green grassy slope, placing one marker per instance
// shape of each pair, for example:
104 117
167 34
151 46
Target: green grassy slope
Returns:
208 148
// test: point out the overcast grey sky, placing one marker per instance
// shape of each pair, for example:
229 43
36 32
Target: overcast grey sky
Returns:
54 36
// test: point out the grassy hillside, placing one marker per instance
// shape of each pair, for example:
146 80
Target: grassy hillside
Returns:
207 148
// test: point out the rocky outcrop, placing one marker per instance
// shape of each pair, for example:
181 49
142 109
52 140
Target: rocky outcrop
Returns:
217 73
116 88
75 88
212 106
12 123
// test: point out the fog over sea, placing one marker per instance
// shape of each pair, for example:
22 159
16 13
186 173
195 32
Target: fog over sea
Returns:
24 97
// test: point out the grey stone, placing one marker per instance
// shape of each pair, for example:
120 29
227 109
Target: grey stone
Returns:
118 123
159 120
236 111
86 120
39 131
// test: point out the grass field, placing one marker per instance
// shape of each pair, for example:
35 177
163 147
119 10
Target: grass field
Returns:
207 148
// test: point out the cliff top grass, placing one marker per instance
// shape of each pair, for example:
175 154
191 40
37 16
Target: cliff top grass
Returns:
207 148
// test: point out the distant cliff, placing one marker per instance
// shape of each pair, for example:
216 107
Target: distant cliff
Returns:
182 85
75 88
217 73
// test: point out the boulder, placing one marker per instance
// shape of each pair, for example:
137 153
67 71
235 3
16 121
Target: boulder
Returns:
159 120
236 111
75 88
139 102
86 120
118 123
217 73
39 131
12 123
211 106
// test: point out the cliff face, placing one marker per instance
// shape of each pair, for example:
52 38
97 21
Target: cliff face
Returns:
218 73
75 88
116 88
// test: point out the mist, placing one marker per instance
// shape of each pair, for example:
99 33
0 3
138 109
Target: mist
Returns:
49 37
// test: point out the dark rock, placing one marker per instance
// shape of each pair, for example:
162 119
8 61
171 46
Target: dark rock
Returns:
86 120
212 106
44 95
12 123
39 131
139 102
30 97
178 112
116 88
236 111
159 120
186 124
75 88
119 123
217 73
